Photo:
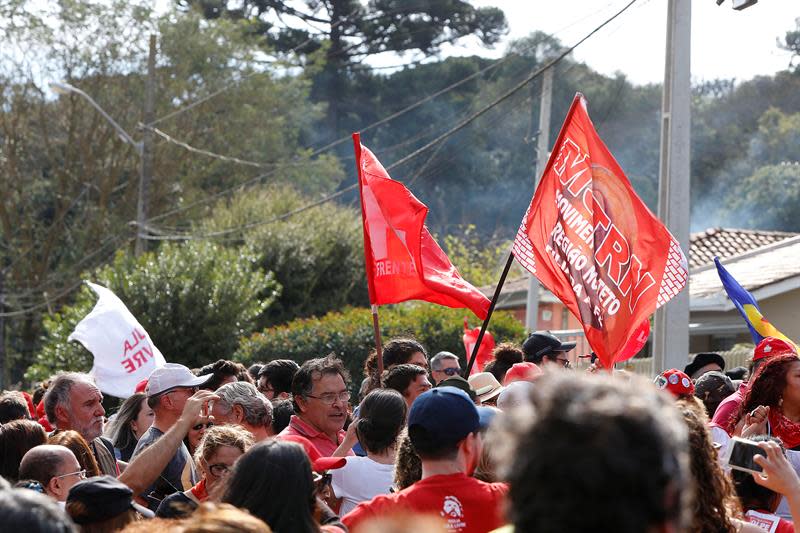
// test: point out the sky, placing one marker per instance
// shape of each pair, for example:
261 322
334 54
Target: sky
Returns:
725 43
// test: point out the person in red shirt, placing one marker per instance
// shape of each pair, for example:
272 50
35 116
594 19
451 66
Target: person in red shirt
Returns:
443 426
320 396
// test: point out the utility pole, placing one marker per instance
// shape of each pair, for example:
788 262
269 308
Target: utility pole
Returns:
671 335
542 146
146 152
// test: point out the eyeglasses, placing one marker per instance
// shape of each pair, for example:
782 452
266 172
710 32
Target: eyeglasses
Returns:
564 362
80 473
450 372
198 427
219 470
329 398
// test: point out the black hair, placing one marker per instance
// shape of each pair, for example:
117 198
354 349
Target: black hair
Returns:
254 369
381 417
505 355
220 369
13 406
16 439
28 510
594 442
395 352
314 369
273 482
401 376
282 411
429 446
279 374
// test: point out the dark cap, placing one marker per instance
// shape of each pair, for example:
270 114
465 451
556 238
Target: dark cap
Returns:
543 343
702 359
445 413
102 497
461 384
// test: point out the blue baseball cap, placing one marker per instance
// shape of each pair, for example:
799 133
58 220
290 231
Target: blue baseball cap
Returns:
446 413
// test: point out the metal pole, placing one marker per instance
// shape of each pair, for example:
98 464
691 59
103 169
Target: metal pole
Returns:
146 163
542 147
671 331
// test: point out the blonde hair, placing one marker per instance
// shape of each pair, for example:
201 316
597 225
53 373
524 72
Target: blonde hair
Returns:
216 437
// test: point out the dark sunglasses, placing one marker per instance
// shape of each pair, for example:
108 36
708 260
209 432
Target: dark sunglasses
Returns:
198 427
452 371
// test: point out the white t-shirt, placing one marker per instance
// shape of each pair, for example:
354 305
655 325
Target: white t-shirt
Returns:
361 479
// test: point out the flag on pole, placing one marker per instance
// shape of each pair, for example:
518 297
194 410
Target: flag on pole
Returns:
403 261
593 243
485 350
123 352
747 306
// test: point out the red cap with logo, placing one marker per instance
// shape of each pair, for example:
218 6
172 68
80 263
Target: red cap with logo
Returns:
770 346
676 382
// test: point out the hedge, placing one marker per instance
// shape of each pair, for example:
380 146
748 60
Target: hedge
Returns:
349 334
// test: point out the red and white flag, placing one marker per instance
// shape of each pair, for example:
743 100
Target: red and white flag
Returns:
123 352
403 261
484 354
591 241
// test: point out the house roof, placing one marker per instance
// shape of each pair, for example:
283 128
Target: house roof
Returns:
764 271
725 243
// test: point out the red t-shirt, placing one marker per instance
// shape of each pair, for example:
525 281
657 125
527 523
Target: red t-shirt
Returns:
729 407
769 522
465 504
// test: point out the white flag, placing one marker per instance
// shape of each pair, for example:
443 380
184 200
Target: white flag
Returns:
123 352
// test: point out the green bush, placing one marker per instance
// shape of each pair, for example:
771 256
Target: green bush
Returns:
195 300
349 334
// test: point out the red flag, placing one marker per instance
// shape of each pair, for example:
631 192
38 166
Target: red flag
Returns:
484 352
591 240
403 261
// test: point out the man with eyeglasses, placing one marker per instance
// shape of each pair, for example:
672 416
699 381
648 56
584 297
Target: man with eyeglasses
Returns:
320 396
547 350
444 365
172 394
54 467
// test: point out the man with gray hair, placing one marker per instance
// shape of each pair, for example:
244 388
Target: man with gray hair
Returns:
74 402
444 365
240 403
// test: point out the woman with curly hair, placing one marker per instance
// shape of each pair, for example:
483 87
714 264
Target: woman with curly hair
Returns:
771 404
505 355
716 505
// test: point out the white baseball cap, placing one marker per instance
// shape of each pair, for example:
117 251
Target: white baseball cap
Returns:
171 376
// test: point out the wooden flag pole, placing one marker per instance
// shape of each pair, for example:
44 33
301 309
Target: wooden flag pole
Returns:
378 347
489 314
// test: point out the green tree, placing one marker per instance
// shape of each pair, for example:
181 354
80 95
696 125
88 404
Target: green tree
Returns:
347 31
317 256
349 334
195 300
769 199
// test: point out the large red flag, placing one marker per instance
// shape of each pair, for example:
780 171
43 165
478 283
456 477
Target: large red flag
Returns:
403 261
591 240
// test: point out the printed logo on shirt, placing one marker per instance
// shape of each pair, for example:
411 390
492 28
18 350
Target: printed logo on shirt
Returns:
453 513
767 522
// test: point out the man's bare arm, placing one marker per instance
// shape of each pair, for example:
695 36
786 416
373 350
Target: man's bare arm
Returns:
144 469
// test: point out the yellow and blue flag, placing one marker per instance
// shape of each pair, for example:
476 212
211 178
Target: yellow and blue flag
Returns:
759 326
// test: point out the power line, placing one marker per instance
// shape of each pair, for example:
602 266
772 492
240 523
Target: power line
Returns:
458 127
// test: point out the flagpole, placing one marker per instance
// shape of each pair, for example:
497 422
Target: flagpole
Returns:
378 346
489 314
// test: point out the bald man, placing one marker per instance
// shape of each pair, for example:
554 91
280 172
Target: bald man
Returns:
55 467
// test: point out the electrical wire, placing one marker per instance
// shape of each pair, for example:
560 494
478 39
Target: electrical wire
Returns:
458 127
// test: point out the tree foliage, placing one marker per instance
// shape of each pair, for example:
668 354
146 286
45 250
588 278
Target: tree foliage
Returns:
195 300
317 256
349 334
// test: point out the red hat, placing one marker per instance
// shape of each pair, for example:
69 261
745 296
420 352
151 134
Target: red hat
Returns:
324 464
141 386
770 346
676 382
522 372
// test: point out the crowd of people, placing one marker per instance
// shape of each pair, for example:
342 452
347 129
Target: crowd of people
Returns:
527 445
